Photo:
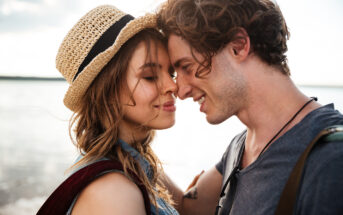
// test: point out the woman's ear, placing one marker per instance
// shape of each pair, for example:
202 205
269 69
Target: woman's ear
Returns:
239 48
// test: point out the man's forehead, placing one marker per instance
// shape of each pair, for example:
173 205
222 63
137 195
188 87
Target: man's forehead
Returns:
180 51
175 41
175 36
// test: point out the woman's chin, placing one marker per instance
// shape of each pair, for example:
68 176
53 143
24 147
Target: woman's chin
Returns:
163 124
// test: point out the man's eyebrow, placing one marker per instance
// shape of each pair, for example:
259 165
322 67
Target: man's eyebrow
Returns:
150 64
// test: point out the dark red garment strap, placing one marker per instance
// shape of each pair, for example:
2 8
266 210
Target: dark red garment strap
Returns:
61 199
289 194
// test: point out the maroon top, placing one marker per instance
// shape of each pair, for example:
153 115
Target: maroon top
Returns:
61 199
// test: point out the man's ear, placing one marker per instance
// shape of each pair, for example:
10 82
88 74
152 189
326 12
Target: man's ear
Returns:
239 48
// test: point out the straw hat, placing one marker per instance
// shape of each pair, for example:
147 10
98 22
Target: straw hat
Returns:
92 43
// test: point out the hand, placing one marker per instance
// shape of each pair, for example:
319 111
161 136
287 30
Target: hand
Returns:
196 178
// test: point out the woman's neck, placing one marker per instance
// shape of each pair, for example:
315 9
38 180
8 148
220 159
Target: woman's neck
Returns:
133 133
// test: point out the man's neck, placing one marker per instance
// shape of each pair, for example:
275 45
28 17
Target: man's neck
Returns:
273 101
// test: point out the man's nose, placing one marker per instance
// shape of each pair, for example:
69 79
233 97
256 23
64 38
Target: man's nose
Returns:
184 88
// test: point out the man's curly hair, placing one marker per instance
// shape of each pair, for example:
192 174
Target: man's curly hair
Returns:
209 25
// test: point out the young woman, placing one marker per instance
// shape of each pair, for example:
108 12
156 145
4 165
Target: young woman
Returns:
121 89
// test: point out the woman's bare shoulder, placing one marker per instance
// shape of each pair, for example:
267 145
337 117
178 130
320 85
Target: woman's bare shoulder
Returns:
112 193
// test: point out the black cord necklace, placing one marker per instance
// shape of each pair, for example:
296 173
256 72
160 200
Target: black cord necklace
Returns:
240 155
295 115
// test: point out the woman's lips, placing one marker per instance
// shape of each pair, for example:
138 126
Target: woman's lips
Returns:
169 106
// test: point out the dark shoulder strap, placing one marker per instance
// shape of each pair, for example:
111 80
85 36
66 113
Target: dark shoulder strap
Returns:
289 194
61 199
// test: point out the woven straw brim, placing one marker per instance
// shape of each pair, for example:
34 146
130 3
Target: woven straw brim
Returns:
80 85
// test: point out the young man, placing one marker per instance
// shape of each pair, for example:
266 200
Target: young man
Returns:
229 56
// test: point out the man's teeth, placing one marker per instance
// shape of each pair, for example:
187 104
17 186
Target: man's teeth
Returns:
201 100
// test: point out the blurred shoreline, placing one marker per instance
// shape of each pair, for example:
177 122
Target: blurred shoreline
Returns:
37 78
35 149
30 78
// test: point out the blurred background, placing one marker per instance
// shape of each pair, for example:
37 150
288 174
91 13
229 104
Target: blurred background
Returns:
35 148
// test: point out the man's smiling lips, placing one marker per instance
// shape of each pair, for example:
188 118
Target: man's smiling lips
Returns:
200 101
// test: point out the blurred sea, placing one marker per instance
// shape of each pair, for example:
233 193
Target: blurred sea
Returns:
35 148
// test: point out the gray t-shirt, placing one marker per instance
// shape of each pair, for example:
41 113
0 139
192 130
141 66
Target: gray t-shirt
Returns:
256 189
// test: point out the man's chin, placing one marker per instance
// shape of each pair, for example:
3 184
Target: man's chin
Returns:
213 120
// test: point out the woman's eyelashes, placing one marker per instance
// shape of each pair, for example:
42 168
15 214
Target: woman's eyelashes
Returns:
155 77
149 74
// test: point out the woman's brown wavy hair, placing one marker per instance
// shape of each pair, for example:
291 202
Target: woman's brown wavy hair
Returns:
96 122
208 25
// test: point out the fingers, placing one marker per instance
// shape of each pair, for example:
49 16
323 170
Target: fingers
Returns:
196 178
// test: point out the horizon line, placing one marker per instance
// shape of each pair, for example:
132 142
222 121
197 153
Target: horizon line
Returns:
40 78
30 78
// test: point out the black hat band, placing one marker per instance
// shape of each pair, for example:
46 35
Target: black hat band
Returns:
106 40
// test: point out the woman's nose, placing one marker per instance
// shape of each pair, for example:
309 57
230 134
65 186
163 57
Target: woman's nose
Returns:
184 88
169 85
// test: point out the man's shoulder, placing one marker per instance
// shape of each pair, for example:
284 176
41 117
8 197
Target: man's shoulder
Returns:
314 123
326 113
235 145
325 162
328 148
231 153
238 140
322 189
325 153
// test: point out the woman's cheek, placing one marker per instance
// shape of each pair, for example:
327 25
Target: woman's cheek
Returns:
150 92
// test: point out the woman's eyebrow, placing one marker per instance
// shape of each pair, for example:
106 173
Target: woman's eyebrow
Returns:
150 64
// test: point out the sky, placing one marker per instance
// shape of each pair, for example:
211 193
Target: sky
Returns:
32 30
